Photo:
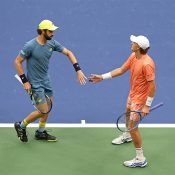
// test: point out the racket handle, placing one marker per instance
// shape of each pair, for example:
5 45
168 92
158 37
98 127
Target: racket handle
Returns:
18 78
156 106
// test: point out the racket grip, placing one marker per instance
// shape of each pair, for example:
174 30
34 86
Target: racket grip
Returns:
156 106
18 78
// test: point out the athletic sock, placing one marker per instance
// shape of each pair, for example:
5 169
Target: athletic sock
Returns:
42 126
139 153
23 124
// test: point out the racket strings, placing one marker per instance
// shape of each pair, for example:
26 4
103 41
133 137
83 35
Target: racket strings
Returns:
128 121
135 117
49 103
42 105
134 120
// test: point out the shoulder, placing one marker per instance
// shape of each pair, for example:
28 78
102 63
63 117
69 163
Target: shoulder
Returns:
132 56
31 43
129 62
53 43
148 61
56 45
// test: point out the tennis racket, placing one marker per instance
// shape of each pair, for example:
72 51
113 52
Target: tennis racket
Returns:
42 107
124 124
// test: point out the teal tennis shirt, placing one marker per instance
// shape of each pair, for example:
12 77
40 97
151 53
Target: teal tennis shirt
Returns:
37 57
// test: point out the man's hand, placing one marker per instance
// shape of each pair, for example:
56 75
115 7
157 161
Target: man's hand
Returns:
27 87
81 77
146 110
94 78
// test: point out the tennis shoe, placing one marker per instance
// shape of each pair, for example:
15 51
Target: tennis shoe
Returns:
21 133
124 138
44 136
136 162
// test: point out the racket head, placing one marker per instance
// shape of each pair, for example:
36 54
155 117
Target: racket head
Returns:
128 121
42 105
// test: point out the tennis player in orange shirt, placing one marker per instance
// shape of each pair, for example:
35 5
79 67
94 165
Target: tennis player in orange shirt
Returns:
142 90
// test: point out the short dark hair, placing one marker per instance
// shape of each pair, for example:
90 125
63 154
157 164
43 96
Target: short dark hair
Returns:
39 31
144 51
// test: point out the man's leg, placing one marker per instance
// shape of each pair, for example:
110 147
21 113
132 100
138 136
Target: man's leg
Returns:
20 127
41 133
123 138
43 120
139 160
137 140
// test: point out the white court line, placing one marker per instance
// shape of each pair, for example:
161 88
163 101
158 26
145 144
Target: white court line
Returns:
88 125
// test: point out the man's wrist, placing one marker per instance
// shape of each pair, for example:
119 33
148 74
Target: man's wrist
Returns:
23 78
76 67
149 101
106 76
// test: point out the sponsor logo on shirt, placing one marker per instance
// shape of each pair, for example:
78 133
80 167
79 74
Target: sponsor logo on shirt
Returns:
50 49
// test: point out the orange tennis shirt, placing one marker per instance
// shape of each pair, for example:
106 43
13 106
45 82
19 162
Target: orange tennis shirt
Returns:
141 72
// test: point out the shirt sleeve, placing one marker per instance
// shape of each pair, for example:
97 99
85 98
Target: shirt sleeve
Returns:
58 47
128 62
26 51
149 72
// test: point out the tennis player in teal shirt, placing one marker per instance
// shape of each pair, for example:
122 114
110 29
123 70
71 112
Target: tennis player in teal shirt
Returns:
37 53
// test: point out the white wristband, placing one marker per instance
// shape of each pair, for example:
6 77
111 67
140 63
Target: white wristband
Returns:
106 76
149 101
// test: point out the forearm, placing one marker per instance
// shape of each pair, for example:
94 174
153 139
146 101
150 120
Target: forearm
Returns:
80 75
19 67
20 70
117 72
71 57
112 74
152 90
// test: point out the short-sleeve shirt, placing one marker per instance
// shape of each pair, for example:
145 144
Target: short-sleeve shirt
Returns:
141 72
37 57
